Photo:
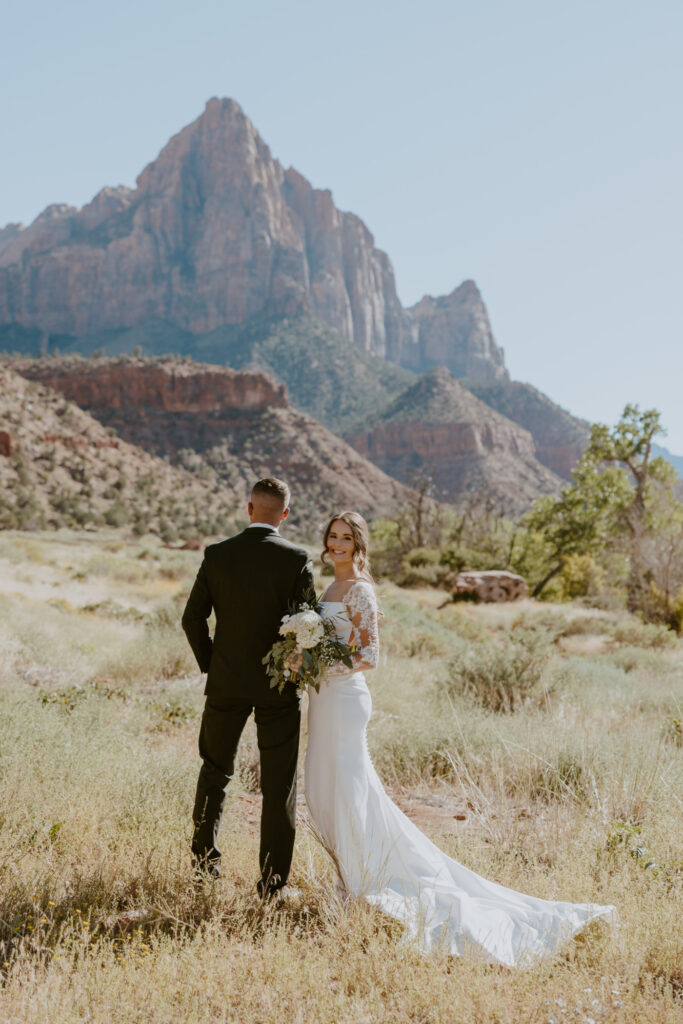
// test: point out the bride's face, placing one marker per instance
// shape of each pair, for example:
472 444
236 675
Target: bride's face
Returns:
340 544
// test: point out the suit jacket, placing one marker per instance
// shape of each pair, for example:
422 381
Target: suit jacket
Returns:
250 581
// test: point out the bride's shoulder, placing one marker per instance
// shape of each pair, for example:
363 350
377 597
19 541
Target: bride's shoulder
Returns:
361 592
361 584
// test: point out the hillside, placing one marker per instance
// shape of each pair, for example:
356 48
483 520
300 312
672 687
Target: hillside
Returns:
216 232
559 437
226 427
440 429
326 376
60 467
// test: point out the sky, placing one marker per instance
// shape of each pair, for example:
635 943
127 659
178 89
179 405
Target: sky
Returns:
533 146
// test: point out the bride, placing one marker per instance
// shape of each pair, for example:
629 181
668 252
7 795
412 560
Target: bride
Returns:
378 853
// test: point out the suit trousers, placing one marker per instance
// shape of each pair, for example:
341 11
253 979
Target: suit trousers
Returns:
277 730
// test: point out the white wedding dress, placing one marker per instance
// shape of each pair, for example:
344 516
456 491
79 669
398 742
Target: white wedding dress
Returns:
378 852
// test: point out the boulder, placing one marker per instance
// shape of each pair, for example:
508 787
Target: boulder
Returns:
493 585
6 445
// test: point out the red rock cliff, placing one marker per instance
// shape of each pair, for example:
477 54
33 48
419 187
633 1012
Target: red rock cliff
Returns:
168 386
215 232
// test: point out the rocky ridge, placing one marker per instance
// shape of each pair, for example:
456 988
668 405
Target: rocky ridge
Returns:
171 387
454 331
559 437
216 232
226 427
60 467
439 429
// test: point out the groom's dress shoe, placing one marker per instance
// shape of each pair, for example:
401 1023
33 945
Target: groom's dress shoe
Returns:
285 896
203 868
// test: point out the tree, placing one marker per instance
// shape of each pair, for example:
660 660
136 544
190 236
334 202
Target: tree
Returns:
630 444
610 501
579 522
419 519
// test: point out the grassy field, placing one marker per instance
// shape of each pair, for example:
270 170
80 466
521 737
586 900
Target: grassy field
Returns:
540 745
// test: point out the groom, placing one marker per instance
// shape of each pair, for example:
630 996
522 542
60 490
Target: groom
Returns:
250 581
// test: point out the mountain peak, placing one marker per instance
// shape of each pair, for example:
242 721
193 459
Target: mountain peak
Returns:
225 105
215 234
454 331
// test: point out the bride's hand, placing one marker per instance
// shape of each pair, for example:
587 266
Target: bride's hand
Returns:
295 661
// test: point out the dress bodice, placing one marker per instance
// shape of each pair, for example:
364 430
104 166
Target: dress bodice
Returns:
336 610
356 624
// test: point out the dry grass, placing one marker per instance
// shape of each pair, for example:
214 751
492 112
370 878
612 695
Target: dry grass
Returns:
575 796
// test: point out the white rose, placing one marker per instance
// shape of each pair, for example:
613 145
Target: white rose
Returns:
306 626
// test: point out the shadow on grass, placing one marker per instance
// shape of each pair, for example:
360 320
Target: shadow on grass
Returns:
96 910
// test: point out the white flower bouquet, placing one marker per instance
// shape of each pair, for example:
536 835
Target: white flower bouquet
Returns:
310 643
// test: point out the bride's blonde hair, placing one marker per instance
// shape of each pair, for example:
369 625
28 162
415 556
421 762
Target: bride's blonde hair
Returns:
361 539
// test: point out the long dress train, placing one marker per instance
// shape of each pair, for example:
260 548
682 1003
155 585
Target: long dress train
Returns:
382 856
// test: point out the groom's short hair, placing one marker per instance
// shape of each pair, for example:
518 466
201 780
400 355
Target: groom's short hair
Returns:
274 491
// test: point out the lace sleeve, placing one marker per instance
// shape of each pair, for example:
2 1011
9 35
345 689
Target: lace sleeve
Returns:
361 605
361 608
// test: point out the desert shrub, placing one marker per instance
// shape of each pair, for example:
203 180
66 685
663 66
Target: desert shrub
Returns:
113 610
177 710
673 730
117 514
421 575
502 676
422 556
637 659
642 634
167 530
566 776
665 608
581 576
161 653
387 552
68 698
560 622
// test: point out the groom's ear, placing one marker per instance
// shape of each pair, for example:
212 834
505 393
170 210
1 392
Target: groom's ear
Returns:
285 513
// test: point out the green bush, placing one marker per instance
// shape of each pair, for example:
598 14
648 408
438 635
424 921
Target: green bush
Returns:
635 633
581 576
423 556
502 676
421 575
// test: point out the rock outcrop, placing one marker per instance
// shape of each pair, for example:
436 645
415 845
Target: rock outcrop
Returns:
437 428
6 443
226 426
64 468
217 232
559 437
454 331
174 387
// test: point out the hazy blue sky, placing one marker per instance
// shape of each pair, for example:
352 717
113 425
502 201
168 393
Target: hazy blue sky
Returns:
533 146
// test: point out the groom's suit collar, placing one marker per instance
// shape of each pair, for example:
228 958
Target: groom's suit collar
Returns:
262 526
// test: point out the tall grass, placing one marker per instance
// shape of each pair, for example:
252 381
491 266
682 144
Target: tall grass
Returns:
575 796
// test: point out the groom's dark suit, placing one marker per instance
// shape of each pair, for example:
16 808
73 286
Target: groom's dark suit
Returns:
250 581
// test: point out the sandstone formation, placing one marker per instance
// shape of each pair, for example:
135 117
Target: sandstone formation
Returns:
437 428
64 468
559 437
173 387
454 331
217 232
488 586
227 427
